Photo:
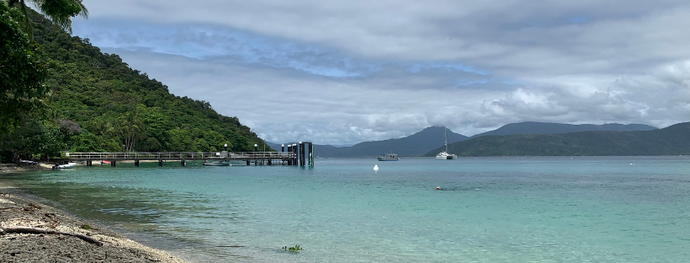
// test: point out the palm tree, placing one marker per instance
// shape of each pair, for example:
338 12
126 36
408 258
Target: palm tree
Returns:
59 11
131 128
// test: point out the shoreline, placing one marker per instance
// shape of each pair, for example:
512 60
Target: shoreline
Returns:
20 210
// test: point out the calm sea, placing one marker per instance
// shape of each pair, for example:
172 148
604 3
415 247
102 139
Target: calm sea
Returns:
500 209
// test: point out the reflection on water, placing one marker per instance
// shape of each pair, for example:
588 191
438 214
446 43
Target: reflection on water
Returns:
553 209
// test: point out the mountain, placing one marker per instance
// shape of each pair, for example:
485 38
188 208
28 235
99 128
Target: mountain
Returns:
112 107
413 145
532 127
673 140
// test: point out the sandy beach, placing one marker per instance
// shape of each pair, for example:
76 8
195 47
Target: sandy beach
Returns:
31 231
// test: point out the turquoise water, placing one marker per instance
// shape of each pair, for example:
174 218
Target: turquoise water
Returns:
501 209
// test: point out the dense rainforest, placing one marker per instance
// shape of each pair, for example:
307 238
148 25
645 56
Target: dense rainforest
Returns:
98 103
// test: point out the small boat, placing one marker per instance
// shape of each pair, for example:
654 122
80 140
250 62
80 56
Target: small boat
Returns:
28 162
388 157
66 166
216 163
445 155
105 162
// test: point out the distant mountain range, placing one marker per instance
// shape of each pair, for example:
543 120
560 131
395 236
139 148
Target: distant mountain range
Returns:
413 145
673 140
555 128
430 141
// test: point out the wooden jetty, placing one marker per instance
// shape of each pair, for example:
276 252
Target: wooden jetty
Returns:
301 154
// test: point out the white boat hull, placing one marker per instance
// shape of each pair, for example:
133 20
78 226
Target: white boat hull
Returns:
217 164
66 166
446 156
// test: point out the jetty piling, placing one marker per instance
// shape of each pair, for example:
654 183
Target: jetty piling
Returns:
311 154
289 157
301 154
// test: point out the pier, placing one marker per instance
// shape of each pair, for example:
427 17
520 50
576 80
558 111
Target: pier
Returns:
301 154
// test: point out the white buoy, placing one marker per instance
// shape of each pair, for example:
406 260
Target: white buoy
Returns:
376 167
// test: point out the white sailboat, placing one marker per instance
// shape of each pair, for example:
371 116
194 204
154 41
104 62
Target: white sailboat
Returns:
445 155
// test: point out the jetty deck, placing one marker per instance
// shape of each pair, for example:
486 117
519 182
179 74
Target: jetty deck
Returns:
258 158
121 156
302 154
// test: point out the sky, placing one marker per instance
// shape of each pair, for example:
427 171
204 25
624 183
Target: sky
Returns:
341 72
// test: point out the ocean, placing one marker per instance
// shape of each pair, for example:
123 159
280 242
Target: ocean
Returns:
493 209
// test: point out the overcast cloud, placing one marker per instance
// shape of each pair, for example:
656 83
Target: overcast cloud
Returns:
341 72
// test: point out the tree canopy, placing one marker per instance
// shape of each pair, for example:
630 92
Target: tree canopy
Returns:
60 12
99 103
22 72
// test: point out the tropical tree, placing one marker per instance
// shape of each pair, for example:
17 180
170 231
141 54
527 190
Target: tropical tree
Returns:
32 139
131 128
58 11
22 71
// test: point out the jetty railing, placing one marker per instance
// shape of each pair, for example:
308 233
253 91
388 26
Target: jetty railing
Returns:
176 155
297 154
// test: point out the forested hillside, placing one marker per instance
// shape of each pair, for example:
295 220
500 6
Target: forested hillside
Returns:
413 145
99 103
673 140
532 127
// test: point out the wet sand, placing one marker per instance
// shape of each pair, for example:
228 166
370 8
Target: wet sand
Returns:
68 238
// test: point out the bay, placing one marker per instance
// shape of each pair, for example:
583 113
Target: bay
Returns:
494 209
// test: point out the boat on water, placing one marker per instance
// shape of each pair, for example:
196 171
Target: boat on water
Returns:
66 166
445 155
216 163
388 157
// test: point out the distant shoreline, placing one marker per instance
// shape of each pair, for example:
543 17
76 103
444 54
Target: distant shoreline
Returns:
18 209
13 168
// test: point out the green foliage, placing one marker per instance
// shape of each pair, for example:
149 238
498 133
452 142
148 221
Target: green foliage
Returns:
88 142
33 139
295 249
116 105
61 8
98 103
59 11
22 71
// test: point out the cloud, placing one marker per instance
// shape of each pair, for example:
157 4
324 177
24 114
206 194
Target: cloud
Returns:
341 72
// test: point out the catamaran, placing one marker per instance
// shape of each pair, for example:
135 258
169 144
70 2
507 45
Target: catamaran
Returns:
445 155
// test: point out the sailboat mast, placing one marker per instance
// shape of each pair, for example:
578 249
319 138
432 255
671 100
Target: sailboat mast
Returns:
445 132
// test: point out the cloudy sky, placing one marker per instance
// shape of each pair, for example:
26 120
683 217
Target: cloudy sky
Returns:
341 72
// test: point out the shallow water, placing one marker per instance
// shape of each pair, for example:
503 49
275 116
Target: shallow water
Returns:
500 209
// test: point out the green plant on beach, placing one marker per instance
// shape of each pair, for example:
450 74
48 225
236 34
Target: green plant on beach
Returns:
295 249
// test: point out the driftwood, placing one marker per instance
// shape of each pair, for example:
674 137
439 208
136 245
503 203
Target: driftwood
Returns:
31 230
